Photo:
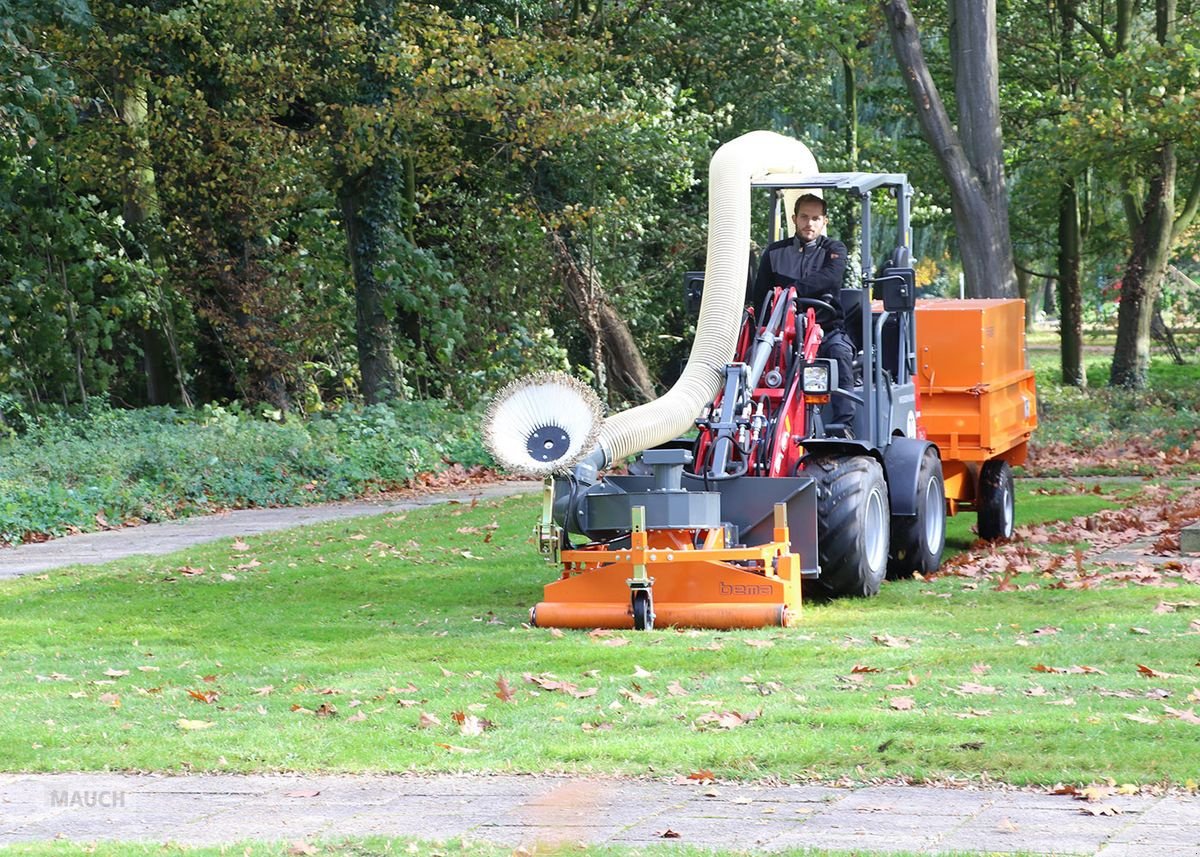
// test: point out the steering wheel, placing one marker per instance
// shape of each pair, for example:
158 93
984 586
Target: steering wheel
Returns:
823 308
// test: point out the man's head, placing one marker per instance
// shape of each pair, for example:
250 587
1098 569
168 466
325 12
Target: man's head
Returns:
808 216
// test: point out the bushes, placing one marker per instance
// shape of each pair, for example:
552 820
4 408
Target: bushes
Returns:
67 472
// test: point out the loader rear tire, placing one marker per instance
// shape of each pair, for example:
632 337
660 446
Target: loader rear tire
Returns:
996 504
917 541
852 524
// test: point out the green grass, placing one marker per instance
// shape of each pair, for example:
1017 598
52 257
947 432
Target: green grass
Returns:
386 620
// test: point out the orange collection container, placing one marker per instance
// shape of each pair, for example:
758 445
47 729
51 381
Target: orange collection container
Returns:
977 394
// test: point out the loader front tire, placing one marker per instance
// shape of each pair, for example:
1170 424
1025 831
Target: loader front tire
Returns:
996 503
917 541
852 524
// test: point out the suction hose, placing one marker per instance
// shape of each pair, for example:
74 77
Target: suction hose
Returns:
730 171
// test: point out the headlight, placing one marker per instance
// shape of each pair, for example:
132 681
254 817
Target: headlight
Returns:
816 378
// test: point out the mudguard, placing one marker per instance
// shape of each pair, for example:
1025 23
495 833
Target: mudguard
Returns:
901 466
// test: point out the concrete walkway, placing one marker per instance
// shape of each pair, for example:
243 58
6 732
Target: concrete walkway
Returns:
96 548
530 811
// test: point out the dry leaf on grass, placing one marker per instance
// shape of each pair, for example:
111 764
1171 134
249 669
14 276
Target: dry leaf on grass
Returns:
191 725
205 696
1153 673
428 721
725 719
901 703
1187 715
970 688
504 691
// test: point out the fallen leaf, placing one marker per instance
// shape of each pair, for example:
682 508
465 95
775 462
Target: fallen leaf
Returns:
300 848
1187 715
504 691
206 696
472 725
1108 809
111 699
759 644
302 793
193 724
970 687
357 717
667 834
892 642
454 749
239 545
1136 630
111 673
725 719
860 668
901 703
1153 673
265 690
702 776
638 672
676 689
428 721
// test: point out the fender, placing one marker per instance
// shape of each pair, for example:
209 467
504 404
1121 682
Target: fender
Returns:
901 466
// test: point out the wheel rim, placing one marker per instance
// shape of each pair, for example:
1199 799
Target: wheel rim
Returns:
935 516
1007 505
875 531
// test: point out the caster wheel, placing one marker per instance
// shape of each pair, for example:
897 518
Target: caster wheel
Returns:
643 611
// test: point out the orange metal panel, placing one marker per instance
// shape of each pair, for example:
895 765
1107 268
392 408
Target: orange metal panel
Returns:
977 398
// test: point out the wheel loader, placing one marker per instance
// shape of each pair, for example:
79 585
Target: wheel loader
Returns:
738 499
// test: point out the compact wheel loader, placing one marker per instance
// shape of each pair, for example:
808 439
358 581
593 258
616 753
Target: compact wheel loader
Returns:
739 497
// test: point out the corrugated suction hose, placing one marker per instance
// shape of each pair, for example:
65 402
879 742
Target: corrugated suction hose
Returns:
730 172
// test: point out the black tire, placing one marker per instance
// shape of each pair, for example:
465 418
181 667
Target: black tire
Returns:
996 501
917 541
852 524
643 610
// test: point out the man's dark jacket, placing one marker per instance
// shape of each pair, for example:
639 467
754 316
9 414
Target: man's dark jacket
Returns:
815 269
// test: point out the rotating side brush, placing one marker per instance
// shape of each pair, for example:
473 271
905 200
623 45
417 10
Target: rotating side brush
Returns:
542 424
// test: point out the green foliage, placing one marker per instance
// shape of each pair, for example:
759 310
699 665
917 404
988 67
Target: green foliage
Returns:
66 472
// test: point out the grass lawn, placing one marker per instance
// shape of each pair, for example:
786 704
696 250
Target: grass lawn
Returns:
386 644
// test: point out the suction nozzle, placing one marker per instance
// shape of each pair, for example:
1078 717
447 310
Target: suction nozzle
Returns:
542 424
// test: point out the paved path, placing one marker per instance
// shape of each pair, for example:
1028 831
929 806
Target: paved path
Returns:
96 548
530 811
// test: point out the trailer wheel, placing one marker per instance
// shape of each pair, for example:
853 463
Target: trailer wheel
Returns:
643 610
852 524
995 501
917 541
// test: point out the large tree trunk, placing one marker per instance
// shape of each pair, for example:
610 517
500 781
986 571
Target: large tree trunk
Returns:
616 358
972 165
1070 291
1143 275
1154 227
365 200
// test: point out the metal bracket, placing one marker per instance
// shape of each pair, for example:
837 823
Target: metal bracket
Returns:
548 534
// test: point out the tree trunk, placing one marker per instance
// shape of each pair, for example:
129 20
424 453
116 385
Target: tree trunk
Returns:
977 187
160 350
1143 275
1070 291
365 200
615 353
1154 227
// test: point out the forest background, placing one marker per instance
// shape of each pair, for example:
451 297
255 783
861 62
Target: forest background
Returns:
297 207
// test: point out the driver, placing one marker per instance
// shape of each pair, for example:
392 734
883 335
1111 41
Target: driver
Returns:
814 264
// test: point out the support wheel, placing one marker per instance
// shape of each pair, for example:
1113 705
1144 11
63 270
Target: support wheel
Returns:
852 524
996 501
643 610
917 542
